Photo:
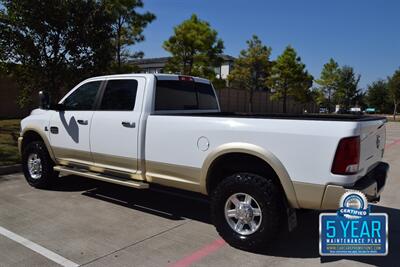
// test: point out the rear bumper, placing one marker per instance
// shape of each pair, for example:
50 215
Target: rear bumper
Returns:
371 185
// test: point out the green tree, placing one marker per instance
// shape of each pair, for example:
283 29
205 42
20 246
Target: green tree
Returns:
347 91
195 48
319 97
252 68
328 81
53 44
378 96
128 25
218 83
394 91
289 77
360 99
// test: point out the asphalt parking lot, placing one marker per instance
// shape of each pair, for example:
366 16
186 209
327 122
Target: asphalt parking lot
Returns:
87 222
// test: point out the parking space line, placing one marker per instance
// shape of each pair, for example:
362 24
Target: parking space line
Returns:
390 145
199 254
37 248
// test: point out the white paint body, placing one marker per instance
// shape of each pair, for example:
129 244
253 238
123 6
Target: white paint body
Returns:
305 148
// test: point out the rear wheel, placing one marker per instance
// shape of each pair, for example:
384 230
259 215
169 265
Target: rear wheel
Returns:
247 210
37 165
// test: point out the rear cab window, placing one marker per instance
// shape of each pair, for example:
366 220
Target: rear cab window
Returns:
184 95
119 95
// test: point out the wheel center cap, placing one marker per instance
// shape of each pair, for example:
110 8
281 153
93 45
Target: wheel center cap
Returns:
244 212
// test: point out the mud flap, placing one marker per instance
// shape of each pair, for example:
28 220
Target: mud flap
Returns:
292 219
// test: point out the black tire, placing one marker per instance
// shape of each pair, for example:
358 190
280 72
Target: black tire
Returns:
268 197
48 175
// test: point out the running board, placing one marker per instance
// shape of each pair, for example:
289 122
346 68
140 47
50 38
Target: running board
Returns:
102 177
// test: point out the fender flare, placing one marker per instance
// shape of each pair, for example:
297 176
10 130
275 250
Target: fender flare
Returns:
42 135
254 150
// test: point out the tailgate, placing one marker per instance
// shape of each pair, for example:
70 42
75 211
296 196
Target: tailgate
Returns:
372 143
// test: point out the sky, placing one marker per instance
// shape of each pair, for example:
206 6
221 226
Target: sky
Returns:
364 34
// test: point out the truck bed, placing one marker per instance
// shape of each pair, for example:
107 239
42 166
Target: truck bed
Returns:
321 117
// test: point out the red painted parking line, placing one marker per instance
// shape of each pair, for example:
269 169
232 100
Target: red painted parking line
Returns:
199 254
390 145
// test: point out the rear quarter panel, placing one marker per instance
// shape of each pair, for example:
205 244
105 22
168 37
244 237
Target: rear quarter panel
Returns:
305 148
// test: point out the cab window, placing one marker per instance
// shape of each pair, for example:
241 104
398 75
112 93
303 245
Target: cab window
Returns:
184 95
119 95
83 98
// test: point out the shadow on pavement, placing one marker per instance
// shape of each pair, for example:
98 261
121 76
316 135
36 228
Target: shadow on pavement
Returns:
168 203
173 204
70 183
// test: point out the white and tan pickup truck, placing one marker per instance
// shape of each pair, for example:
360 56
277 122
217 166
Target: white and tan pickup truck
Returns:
142 129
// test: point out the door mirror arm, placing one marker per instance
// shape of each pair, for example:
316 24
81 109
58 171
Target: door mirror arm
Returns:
57 107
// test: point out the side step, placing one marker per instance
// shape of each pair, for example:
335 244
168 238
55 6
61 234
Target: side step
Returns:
102 177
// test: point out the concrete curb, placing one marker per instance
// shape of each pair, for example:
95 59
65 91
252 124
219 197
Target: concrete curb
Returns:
10 169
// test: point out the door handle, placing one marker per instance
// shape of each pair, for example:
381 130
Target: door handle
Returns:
83 122
128 124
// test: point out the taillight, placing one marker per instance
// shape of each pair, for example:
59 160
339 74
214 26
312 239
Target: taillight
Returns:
347 157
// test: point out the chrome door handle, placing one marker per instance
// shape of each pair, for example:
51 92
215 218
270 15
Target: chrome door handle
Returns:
83 122
128 124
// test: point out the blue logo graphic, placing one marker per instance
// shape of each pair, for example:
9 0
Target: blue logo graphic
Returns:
353 205
353 230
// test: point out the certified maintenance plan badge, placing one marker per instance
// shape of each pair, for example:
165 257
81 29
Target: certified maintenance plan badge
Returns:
353 230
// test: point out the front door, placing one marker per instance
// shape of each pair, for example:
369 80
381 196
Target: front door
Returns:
115 125
70 129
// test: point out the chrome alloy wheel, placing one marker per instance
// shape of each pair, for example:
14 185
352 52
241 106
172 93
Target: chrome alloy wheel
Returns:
243 213
34 166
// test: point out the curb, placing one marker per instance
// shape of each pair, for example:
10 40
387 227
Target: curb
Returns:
10 169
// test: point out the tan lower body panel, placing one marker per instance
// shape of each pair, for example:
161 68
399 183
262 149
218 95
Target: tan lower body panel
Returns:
182 177
172 175
72 155
118 163
309 196
20 139
320 197
332 196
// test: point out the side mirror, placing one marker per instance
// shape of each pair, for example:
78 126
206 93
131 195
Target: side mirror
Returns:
58 107
44 100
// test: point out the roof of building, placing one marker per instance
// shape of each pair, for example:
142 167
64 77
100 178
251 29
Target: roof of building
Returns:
228 57
151 60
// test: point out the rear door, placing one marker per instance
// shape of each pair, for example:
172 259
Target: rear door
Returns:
115 125
167 134
69 129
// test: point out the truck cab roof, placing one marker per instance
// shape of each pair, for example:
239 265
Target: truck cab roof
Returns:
158 76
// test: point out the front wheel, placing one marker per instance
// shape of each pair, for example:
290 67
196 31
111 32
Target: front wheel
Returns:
247 210
37 165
